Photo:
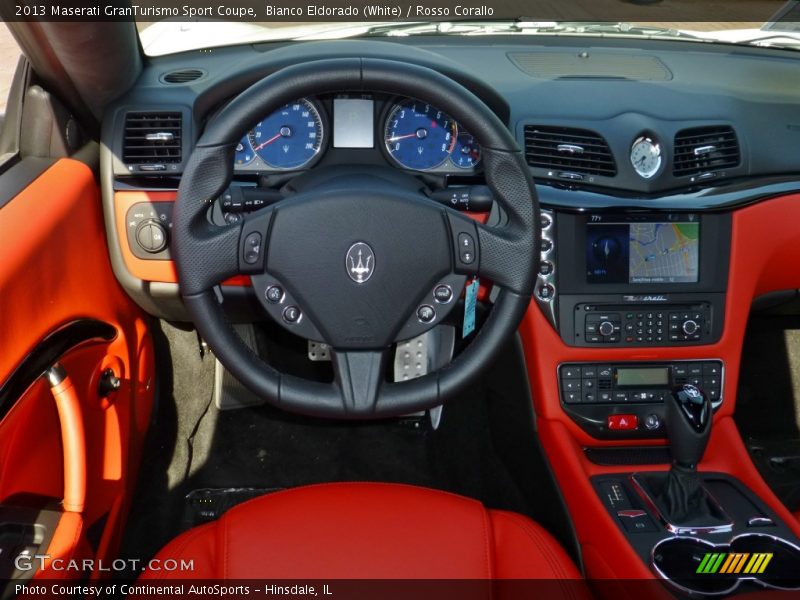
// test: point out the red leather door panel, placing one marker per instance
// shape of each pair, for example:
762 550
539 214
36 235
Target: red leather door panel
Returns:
55 270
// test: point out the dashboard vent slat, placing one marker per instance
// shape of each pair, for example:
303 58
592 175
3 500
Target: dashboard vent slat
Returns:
152 138
568 149
182 76
705 150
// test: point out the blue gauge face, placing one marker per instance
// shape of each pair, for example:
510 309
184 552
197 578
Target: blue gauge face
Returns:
290 137
419 136
244 152
467 152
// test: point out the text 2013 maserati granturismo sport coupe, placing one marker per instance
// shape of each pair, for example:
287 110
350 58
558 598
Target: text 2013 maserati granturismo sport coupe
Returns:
455 308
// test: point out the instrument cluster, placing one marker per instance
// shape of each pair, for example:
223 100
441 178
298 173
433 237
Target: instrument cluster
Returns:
406 133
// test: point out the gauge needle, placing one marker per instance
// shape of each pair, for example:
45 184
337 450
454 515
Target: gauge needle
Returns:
268 142
402 137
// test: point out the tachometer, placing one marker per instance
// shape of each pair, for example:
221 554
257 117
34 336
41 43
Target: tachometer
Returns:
467 152
418 135
244 152
289 138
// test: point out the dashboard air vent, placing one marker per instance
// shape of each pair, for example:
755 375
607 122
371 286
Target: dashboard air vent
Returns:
152 138
182 76
704 150
571 151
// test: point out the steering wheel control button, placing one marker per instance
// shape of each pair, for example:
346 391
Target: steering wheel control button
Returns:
545 267
466 248
443 294
291 314
252 248
545 221
426 314
274 294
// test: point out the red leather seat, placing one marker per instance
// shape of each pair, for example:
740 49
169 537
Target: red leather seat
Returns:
368 531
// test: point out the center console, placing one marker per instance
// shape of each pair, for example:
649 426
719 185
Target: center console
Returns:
702 533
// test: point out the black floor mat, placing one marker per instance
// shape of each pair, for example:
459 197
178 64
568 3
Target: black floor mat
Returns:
767 412
209 504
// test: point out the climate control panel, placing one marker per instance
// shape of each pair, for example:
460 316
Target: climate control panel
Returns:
627 399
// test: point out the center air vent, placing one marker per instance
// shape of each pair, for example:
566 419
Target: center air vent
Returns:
705 150
569 150
182 76
152 139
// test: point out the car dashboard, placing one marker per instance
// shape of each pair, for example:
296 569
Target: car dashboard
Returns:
666 173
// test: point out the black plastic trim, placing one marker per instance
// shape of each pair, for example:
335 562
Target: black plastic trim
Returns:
629 456
732 195
50 349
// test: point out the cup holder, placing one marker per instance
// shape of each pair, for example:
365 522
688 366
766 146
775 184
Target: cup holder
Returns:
698 567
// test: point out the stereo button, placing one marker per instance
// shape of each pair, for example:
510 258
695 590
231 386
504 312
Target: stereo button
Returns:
690 327
606 328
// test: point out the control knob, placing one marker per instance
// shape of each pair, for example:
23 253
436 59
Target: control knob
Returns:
690 327
606 328
151 236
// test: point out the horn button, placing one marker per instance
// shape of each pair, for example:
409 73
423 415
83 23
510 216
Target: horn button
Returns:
358 270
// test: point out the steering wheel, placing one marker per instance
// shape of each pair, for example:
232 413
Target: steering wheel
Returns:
356 262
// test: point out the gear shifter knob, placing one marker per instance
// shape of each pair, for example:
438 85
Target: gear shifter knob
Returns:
688 416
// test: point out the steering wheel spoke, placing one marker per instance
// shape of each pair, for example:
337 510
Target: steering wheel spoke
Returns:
498 257
358 375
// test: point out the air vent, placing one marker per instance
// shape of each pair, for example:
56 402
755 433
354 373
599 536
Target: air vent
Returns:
572 152
152 139
182 76
705 150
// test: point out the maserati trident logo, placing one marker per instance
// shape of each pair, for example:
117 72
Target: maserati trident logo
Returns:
360 262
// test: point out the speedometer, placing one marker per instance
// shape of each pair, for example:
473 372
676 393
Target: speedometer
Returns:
289 138
419 136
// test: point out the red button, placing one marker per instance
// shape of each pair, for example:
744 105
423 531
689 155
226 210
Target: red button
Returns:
623 422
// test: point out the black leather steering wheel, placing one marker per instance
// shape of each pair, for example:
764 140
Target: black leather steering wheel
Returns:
357 256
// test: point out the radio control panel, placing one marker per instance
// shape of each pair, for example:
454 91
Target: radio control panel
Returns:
643 325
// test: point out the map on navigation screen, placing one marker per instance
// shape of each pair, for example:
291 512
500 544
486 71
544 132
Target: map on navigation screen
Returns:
664 252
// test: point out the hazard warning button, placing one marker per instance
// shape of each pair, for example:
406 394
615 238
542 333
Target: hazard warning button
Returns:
622 422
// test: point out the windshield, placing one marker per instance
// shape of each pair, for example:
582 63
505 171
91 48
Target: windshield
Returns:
778 25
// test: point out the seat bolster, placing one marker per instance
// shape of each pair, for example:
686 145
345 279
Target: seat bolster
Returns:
524 550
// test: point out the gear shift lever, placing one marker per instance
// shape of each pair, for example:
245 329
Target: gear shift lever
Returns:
688 419
688 416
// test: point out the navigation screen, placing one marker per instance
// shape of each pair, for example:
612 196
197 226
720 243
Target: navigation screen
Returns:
643 251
